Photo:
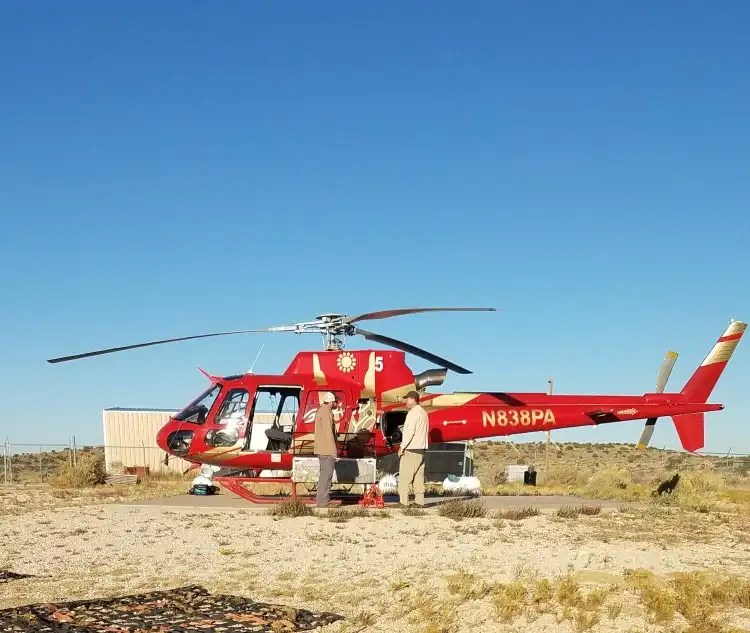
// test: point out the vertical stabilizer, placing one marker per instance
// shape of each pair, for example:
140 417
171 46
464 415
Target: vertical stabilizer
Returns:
703 381
690 427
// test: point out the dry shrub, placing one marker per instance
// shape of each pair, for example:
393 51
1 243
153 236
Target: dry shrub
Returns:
413 511
509 600
432 615
542 593
563 476
614 483
585 620
517 514
341 515
568 512
458 510
696 596
290 509
568 591
698 490
88 471
467 586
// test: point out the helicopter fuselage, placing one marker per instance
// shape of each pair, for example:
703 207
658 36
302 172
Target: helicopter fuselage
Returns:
261 422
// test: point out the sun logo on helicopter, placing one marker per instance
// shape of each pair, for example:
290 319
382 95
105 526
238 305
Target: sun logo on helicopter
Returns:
346 362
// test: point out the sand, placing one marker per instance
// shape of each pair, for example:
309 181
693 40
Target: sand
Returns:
382 574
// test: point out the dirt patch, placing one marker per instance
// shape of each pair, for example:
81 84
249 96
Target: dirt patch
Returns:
189 608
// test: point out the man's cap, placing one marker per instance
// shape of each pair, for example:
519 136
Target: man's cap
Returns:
412 394
329 397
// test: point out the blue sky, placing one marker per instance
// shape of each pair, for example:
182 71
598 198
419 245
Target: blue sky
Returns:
177 168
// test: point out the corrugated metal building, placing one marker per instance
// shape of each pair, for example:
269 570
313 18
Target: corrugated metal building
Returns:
130 440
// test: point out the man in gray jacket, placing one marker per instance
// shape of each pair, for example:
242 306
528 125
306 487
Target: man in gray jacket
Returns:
414 442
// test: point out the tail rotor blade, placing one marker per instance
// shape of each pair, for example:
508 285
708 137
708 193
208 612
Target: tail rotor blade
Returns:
665 371
412 349
648 431
661 382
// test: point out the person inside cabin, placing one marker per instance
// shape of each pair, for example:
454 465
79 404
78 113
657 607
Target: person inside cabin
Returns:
414 441
325 448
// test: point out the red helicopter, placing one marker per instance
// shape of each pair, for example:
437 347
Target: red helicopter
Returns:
222 425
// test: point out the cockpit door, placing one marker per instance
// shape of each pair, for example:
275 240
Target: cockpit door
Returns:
230 421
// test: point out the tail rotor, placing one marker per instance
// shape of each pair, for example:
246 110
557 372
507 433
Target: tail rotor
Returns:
661 382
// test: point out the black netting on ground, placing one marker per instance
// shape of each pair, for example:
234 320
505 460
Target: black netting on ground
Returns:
5 576
185 610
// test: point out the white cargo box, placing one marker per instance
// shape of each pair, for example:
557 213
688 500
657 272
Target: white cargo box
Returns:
515 472
305 470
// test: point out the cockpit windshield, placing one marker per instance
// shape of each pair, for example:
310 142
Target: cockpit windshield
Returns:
198 409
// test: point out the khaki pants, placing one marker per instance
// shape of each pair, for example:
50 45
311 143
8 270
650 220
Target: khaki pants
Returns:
411 473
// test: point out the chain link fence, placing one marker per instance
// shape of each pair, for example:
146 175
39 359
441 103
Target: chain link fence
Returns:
30 462
37 462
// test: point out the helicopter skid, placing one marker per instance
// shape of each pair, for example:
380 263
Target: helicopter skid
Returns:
236 485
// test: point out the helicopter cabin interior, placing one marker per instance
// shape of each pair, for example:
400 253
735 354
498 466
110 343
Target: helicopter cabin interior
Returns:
392 424
272 419
265 419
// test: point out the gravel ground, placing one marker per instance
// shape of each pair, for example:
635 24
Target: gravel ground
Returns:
374 571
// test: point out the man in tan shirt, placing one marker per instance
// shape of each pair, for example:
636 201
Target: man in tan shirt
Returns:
414 441
325 448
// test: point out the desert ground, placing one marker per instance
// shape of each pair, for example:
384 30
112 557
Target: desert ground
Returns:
678 562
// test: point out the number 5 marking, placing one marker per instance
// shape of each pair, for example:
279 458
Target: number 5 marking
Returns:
378 363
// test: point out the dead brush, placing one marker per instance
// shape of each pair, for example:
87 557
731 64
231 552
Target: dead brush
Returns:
518 514
433 615
413 511
342 515
87 472
568 591
467 586
660 603
509 600
584 620
291 508
458 510
542 594
568 512
698 596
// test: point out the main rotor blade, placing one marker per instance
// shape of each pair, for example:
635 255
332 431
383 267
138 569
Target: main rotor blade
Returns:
386 314
665 371
408 347
62 359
